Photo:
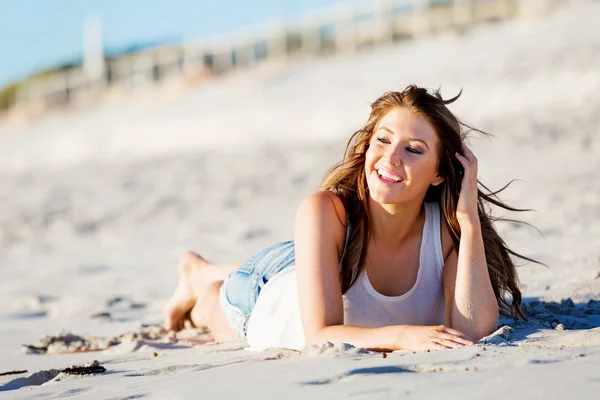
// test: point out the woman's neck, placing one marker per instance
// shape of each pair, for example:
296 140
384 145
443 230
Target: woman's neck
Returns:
391 225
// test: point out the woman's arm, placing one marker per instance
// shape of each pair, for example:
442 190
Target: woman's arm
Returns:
471 305
395 337
319 241
319 235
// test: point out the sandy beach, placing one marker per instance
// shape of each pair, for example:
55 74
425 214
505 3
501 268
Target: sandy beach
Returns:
98 205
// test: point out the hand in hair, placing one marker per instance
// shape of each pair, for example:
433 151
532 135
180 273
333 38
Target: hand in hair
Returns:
466 209
422 338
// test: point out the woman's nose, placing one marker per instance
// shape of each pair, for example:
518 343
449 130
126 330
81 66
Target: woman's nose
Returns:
394 157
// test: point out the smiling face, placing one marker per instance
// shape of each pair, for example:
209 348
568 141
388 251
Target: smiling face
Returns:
402 159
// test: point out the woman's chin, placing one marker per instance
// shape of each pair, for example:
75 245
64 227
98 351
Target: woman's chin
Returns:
386 198
387 193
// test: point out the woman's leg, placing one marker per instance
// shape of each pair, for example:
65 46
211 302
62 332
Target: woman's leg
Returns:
209 312
196 290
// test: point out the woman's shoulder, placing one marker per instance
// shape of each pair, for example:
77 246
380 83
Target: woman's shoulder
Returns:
322 215
328 204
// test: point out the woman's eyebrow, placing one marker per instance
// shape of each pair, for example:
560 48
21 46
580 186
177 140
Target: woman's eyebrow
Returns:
409 139
385 129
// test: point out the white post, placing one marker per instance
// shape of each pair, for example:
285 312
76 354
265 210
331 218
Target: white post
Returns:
421 18
221 56
503 9
463 13
193 60
384 18
93 51
345 29
310 36
244 53
276 42
142 68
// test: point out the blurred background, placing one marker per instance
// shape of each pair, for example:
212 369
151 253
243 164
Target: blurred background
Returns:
131 131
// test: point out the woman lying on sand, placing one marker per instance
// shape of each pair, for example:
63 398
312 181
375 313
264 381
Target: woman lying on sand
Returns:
396 251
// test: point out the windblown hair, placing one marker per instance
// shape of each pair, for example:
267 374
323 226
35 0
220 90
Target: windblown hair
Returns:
347 179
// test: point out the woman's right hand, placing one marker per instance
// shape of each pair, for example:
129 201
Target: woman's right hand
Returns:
423 338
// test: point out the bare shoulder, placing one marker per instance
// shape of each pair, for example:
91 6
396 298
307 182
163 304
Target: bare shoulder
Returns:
325 214
327 204
447 244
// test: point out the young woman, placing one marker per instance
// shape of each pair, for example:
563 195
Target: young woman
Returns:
396 251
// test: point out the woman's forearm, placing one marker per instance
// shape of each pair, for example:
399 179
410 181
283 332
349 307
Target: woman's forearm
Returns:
384 338
394 337
475 309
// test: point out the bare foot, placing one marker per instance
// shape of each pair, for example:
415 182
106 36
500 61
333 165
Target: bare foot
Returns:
184 297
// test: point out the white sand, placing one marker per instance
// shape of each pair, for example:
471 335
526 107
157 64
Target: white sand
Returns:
98 204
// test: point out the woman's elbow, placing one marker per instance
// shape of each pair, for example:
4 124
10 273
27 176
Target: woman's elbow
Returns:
486 327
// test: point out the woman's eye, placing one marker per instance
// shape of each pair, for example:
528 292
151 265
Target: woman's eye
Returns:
413 150
383 140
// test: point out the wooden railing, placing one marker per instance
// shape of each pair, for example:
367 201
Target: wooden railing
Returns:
341 29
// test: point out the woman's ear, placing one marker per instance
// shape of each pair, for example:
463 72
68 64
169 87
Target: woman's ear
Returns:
437 180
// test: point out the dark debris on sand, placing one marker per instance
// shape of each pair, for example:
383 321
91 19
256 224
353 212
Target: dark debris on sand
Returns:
90 368
13 372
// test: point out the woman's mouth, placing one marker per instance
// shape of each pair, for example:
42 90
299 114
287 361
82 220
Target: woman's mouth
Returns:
388 177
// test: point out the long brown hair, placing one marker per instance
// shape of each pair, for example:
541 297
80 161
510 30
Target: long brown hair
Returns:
347 179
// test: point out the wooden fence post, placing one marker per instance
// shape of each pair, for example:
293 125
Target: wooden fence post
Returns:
503 9
222 57
345 29
384 20
276 42
421 18
463 13
310 36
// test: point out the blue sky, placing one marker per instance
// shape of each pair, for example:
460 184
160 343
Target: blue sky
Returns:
35 34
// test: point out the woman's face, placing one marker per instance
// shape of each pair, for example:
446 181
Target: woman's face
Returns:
402 159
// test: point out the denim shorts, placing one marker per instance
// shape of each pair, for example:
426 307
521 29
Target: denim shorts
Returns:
240 290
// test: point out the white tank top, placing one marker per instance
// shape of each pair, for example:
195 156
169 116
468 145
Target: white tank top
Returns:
275 320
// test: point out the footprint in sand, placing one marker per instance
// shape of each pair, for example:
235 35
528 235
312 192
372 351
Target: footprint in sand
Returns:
392 369
35 379
170 370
